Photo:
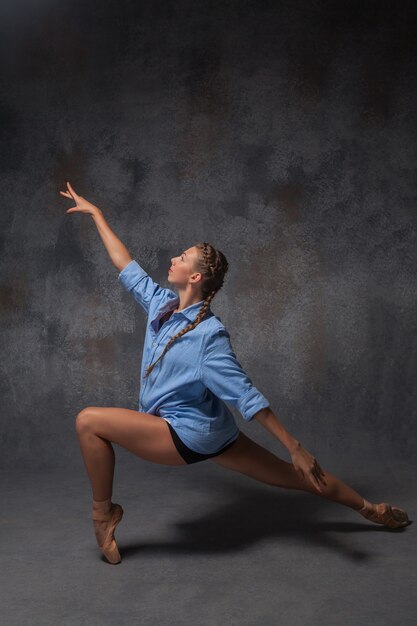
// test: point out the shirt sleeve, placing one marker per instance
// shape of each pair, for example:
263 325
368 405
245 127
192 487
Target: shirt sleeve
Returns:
222 373
142 287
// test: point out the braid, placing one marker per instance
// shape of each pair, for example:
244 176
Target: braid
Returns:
213 265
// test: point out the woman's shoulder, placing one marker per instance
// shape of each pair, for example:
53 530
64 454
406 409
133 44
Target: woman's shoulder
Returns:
214 326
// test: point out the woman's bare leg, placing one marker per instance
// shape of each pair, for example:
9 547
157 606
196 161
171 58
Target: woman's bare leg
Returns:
252 459
143 434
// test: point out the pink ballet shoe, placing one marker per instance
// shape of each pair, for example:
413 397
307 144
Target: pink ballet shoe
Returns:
384 513
107 543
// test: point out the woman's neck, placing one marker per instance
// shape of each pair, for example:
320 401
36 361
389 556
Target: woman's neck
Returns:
186 302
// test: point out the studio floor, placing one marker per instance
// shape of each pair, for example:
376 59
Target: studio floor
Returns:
201 545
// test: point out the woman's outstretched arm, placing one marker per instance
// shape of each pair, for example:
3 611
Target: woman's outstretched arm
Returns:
303 461
118 252
269 420
131 275
222 373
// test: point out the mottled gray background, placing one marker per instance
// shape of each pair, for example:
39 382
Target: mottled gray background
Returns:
281 132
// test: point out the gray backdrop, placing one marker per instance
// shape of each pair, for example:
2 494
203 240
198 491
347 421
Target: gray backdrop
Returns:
281 132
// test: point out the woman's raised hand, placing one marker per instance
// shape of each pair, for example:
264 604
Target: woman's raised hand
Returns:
81 204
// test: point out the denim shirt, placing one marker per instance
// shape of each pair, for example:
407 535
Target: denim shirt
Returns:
190 386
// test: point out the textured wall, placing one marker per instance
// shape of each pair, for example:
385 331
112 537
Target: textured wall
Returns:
283 133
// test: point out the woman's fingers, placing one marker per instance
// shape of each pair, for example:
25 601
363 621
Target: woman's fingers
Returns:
319 477
72 192
318 472
80 204
314 479
316 476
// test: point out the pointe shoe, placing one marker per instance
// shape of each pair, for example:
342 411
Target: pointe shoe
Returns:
384 513
108 546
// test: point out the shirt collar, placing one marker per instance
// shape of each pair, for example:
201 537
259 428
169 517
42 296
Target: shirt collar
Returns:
190 312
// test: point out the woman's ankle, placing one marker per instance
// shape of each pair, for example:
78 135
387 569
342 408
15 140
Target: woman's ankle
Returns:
367 507
102 506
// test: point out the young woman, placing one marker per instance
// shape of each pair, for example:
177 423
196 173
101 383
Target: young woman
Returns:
189 371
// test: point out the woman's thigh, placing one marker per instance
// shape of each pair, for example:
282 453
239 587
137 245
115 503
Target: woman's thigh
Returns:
249 458
143 434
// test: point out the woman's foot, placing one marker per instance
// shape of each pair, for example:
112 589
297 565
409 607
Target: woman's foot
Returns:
106 516
384 513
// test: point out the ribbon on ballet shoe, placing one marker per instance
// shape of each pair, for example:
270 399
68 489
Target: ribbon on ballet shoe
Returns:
366 506
102 509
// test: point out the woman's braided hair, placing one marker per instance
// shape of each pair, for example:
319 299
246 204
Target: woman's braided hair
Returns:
213 266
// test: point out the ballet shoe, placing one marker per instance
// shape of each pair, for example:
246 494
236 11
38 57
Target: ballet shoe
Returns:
383 513
105 532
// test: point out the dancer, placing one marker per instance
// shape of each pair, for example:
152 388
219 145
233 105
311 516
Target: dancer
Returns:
189 371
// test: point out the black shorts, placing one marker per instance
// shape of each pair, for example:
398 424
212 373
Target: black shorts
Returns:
190 455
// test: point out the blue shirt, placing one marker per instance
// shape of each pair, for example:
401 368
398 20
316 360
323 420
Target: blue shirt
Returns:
197 375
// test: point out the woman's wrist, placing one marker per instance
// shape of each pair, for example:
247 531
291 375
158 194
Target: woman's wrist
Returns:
294 446
96 212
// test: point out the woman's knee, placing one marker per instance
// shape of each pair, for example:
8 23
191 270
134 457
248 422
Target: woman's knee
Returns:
84 420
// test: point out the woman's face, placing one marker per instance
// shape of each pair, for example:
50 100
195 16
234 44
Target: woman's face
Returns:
182 267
